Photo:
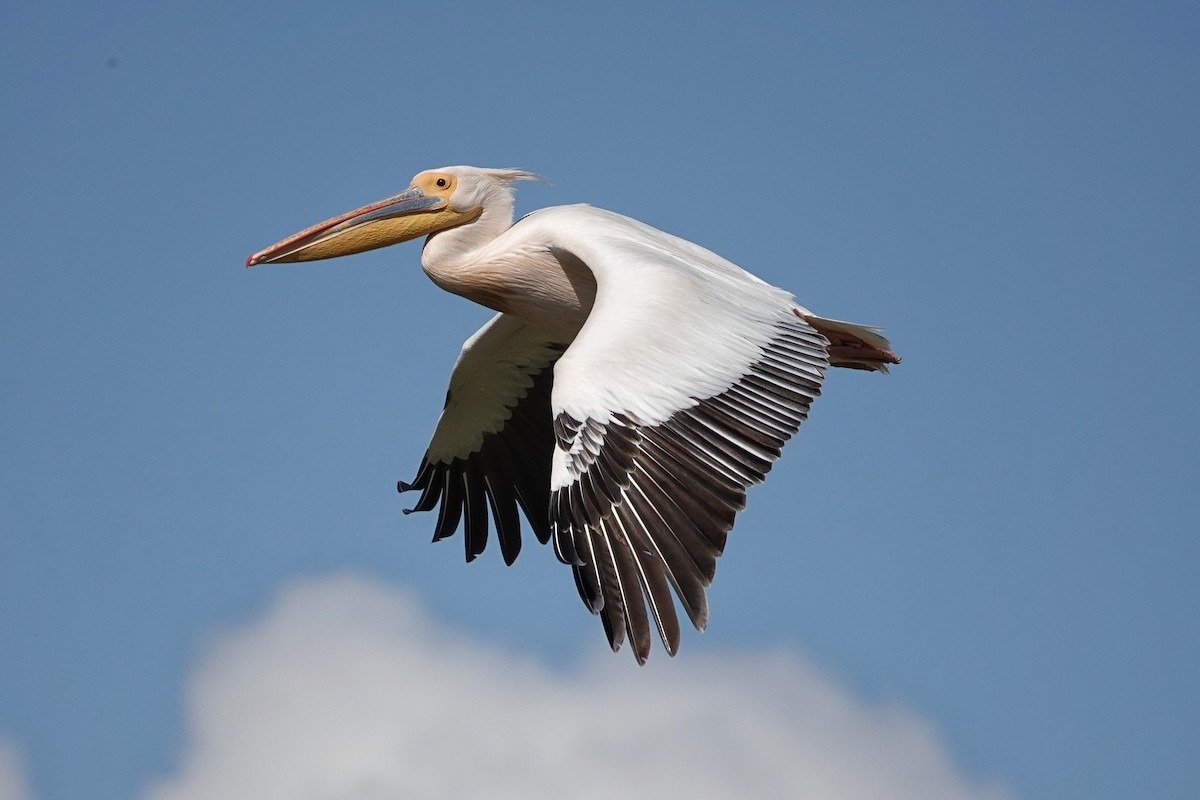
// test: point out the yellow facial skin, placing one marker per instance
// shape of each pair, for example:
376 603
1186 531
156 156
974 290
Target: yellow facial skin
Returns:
436 184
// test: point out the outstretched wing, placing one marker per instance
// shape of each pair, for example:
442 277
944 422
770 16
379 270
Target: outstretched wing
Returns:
677 394
494 440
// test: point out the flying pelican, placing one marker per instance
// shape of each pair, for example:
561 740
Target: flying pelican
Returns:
630 389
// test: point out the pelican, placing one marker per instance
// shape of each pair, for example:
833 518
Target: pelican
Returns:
629 390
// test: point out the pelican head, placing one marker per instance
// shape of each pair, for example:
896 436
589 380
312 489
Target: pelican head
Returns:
436 200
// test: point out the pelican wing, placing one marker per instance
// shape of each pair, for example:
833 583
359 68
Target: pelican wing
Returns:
494 440
678 393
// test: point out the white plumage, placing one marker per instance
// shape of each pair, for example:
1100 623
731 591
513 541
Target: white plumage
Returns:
630 389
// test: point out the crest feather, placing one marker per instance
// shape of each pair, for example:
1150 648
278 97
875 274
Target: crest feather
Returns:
511 174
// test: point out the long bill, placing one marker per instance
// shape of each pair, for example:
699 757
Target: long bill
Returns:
396 219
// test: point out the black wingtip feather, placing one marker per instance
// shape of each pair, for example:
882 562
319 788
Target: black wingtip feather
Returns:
662 498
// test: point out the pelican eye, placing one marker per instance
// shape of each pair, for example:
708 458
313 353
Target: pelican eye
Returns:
441 183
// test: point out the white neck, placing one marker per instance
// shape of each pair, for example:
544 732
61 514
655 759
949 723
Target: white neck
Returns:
451 250
451 258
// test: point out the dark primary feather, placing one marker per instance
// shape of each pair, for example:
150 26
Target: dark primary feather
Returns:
649 512
510 468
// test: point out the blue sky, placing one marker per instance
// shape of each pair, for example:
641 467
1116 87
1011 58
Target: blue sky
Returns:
995 545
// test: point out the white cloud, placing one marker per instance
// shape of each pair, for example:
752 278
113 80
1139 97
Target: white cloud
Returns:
13 785
345 689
